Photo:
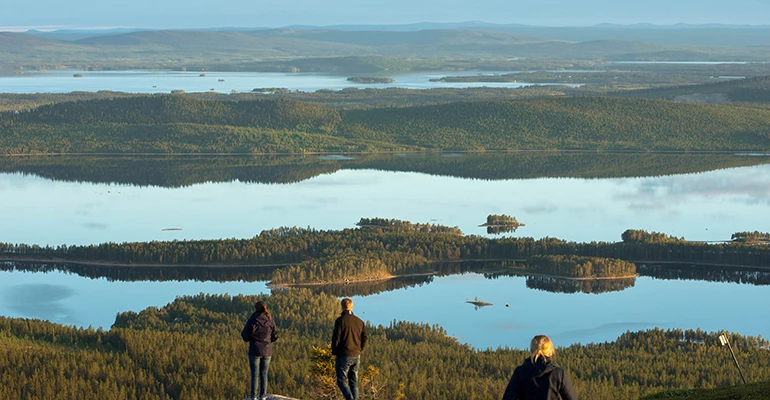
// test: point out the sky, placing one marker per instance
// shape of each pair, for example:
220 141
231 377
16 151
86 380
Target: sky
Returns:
175 14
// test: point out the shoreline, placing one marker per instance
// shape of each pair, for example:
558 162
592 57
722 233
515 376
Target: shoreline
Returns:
738 152
518 272
347 282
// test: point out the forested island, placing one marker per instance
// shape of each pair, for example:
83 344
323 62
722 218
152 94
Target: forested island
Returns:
502 223
580 267
370 79
182 124
384 248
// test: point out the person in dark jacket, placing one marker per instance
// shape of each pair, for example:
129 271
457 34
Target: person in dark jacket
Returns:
538 378
260 332
348 341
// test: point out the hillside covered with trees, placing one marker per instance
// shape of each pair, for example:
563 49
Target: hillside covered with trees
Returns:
156 354
178 124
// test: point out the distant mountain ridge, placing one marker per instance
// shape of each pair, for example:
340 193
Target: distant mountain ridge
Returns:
423 44
696 34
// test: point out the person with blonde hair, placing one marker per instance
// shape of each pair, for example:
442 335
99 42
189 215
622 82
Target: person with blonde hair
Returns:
538 378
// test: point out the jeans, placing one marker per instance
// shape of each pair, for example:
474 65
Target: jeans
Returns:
259 364
347 376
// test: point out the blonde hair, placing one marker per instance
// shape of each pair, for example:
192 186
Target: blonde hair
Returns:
541 346
346 304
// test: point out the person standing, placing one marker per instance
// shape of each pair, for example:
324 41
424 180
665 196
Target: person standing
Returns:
538 378
260 332
348 341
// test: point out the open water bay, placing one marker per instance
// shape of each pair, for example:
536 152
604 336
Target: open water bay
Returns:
162 81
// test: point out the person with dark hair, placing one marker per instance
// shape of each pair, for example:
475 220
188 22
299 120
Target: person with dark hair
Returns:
538 378
348 341
260 332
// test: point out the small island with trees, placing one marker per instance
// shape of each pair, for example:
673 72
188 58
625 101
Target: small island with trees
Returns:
580 267
370 79
502 223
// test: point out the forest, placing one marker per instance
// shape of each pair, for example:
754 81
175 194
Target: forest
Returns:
179 124
382 248
580 267
156 354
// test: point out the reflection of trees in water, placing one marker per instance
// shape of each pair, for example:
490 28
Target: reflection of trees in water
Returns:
464 267
497 230
555 284
178 171
705 273
559 285
370 288
182 171
153 274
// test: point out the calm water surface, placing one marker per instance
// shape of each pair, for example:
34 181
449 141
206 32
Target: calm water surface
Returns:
702 206
147 81
574 318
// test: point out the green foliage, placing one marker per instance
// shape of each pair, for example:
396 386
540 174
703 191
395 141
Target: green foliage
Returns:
581 267
308 255
157 354
502 219
564 123
751 237
174 124
641 236
398 225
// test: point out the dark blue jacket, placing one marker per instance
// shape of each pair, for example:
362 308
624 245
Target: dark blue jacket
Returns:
542 380
260 331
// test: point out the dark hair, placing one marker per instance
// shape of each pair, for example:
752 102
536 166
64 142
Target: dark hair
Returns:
261 307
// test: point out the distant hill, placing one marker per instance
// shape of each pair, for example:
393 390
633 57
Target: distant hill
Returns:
693 34
22 42
235 49
175 124
749 90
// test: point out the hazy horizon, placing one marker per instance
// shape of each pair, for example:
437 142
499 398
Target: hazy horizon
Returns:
197 14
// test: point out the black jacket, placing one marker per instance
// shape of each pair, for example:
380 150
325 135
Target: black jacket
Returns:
542 380
260 331
349 337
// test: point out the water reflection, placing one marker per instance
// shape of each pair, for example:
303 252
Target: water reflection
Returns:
372 288
41 301
497 230
181 171
577 197
709 273
72 299
152 274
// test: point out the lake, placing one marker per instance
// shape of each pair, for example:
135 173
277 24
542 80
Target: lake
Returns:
580 197
84 205
163 81
568 318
